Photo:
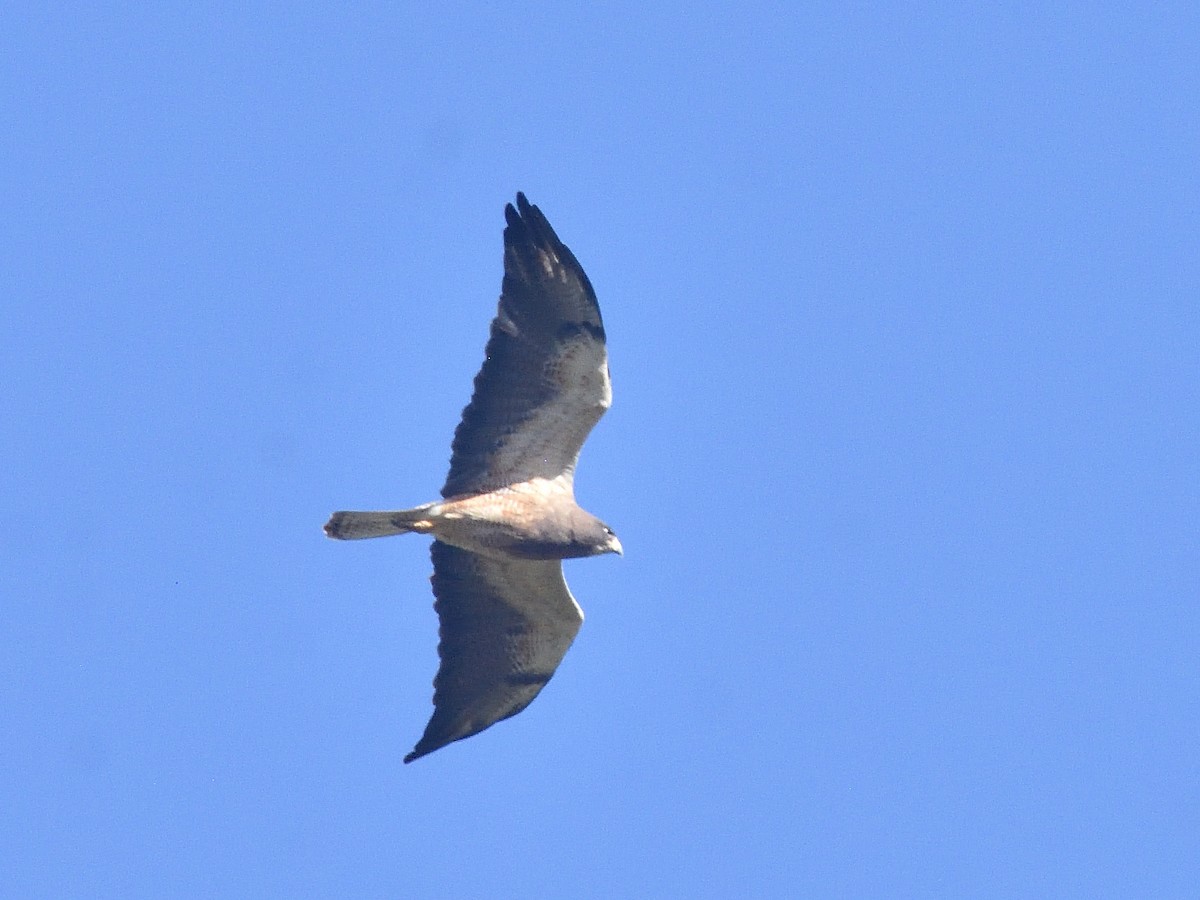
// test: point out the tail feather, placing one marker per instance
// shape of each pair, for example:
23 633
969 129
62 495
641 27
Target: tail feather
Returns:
353 526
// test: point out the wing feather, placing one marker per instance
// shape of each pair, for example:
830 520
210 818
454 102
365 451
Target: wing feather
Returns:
544 382
505 625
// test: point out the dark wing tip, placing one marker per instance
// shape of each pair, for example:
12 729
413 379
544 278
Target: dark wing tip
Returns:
524 211
528 234
527 223
428 743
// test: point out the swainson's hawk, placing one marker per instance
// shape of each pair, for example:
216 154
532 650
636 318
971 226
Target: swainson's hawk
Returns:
508 514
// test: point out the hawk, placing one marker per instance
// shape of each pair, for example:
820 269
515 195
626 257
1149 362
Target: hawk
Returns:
508 517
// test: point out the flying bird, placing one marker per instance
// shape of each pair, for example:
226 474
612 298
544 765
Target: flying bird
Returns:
508 516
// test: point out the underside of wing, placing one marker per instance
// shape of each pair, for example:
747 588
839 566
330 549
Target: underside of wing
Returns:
504 627
544 383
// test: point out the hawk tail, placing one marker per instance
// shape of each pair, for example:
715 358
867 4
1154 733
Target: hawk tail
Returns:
353 526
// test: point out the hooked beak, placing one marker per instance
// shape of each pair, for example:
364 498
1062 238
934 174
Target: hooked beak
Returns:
614 546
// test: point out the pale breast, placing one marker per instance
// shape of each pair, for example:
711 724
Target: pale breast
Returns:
534 514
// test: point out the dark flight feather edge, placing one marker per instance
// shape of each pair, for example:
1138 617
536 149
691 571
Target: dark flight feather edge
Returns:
527 228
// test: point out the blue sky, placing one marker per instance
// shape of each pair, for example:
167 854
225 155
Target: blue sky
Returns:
903 319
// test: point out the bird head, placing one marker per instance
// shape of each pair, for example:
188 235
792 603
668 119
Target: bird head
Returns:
611 544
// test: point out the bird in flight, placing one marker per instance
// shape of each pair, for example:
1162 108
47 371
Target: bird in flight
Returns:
508 516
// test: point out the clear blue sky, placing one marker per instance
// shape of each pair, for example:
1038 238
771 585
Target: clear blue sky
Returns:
904 319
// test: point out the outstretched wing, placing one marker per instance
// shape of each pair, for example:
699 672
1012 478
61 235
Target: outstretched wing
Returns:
544 382
505 626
